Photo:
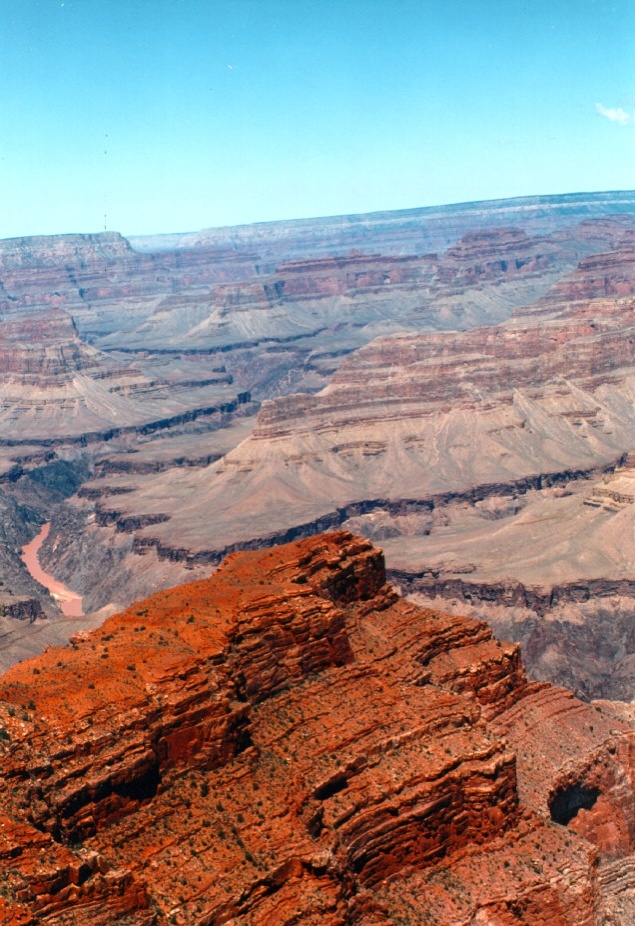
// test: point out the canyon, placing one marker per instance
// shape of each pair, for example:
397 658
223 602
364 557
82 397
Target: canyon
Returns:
414 376
289 741
285 739
475 457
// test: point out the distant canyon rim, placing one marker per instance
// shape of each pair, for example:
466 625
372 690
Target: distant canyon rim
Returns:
456 384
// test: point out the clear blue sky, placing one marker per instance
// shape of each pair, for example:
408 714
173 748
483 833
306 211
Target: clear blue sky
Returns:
156 116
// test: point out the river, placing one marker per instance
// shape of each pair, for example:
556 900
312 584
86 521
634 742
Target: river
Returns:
69 602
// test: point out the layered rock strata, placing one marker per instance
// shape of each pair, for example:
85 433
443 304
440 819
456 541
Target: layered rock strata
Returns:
223 316
617 489
410 417
314 308
334 304
474 455
289 742
56 389
101 280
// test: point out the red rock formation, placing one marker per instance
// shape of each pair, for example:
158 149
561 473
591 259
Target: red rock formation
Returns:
599 276
289 742
483 255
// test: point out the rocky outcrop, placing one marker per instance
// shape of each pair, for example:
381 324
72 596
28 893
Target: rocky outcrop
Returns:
600 276
23 609
484 256
580 635
289 742
41 345
513 594
617 489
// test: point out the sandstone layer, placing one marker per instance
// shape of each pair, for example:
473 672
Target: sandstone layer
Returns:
289 742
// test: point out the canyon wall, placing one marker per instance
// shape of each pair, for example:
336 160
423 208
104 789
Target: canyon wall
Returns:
411 416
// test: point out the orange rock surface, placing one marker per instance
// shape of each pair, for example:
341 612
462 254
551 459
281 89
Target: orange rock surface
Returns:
289 742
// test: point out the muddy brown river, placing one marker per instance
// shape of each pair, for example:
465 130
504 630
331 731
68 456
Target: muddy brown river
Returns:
69 602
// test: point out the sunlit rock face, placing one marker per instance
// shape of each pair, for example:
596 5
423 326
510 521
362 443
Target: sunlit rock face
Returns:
289 741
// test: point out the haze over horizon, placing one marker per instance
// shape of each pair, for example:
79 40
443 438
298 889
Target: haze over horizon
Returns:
149 117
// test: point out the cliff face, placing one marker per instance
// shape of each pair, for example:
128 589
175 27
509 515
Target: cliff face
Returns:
89 276
56 387
584 333
599 276
289 742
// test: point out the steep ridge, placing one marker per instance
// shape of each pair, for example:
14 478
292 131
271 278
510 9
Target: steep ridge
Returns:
289 742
